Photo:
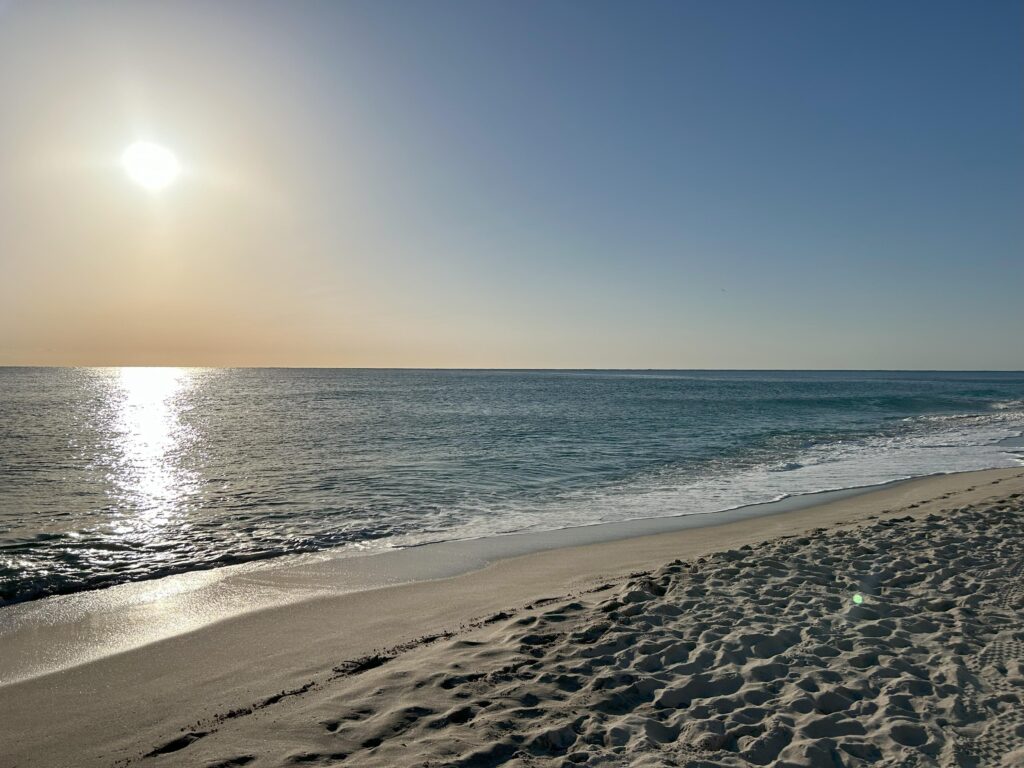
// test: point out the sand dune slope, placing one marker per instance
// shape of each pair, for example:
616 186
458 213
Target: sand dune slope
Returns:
898 643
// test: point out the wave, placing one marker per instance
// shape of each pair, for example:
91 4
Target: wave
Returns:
1007 405
789 466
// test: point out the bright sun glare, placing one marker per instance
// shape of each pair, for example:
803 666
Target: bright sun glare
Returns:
150 165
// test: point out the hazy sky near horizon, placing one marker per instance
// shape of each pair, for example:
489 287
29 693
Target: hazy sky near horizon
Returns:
515 184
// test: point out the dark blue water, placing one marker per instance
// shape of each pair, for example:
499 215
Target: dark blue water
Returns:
111 475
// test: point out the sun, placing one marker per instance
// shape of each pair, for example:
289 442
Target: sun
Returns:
150 165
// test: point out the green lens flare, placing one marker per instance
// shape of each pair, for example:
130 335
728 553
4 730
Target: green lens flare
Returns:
858 598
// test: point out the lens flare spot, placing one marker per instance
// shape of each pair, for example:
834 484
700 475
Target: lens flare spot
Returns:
858 598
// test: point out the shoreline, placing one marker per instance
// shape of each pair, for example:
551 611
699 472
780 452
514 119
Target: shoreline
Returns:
113 707
477 550
153 609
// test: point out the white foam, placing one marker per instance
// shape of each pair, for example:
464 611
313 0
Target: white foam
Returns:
926 445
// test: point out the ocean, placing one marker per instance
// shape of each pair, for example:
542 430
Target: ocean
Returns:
110 475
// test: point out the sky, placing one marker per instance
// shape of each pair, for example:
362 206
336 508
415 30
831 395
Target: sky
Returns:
690 184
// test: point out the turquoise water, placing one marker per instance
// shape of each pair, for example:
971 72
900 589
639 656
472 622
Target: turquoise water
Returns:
112 475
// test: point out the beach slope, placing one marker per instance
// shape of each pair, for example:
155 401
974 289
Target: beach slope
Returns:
884 628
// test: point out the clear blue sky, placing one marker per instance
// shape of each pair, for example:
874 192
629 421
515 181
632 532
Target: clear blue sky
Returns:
534 184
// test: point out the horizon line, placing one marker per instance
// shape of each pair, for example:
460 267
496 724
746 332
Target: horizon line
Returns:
518 369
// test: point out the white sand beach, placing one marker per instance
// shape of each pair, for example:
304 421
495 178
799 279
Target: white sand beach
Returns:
881 629
542 384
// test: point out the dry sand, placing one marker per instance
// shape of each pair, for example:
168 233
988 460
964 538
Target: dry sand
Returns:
757 655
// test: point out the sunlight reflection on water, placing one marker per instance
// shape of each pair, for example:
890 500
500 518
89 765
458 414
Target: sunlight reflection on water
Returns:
150 479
